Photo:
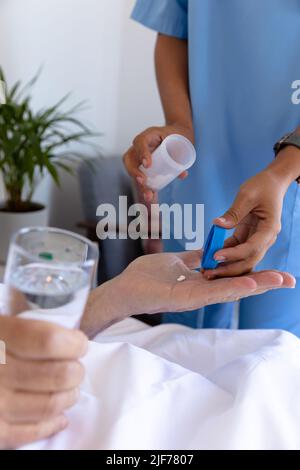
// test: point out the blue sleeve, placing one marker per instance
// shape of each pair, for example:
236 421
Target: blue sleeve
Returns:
168 17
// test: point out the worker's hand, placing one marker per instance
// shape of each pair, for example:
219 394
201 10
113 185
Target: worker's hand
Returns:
142 148
39 381
169 283
256 217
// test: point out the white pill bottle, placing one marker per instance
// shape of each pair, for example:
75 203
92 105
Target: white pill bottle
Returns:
175 155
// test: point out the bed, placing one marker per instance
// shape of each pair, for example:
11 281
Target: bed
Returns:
171 387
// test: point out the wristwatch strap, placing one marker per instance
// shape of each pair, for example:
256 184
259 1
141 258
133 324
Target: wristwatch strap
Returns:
289 139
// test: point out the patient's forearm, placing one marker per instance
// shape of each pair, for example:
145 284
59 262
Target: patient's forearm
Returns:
103 309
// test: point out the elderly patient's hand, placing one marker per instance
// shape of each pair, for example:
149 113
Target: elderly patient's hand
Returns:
40 380
150 285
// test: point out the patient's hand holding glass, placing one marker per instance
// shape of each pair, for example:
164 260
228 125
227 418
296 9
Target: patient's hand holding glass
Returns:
49 275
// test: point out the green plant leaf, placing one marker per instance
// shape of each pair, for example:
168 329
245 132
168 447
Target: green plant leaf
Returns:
33 141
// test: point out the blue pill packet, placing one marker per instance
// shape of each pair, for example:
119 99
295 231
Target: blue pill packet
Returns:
215 242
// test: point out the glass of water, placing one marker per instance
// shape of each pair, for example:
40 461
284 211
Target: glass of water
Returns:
49 274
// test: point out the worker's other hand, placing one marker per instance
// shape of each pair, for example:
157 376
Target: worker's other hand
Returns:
151 284
39 381
256 217
140 153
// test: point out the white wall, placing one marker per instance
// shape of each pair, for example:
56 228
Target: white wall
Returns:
91 48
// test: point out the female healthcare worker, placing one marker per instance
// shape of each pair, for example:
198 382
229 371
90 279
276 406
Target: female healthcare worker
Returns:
225 72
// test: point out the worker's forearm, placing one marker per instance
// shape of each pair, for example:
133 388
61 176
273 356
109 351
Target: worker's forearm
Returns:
286 166
171 60
105 307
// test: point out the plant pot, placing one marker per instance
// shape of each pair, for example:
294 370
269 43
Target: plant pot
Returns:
11 222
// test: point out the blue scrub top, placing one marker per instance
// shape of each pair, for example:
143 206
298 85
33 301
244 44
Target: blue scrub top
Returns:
244 56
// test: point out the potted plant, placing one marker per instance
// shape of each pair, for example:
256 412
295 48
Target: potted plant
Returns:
32 144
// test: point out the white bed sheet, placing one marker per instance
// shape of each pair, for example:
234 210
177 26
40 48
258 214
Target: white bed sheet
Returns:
170 387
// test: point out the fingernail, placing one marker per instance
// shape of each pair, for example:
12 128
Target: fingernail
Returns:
222 220
145 163
220 258
140 180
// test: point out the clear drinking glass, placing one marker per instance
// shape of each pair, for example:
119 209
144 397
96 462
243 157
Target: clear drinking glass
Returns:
49 274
